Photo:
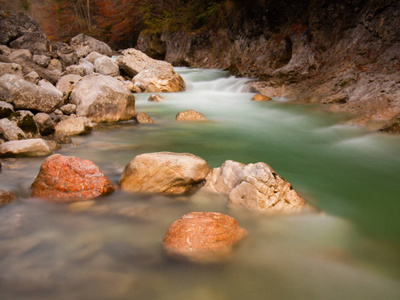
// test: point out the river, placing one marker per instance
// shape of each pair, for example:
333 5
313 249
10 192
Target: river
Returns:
110 248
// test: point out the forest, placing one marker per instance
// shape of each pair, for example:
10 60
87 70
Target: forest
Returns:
119 22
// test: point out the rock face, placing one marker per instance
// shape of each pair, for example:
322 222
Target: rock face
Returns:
63 178
103 99
342 53
190 115
254 186
83 45
149 74
202 237
74 126
31 147
26 95
164 172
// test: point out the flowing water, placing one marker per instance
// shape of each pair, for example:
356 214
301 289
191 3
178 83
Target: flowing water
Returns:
110 248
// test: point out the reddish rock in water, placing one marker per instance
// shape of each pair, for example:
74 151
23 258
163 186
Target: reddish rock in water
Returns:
202 237
67 179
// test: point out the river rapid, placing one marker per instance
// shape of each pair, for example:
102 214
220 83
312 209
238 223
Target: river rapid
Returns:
111 248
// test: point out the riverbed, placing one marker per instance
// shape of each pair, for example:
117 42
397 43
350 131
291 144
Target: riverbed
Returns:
110 248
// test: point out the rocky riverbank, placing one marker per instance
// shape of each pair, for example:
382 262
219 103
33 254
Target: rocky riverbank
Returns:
345 54
51 91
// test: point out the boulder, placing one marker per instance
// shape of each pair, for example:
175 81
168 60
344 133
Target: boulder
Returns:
6 109
30 147
11 68
67 83
55 65
74 70
49 86
254 186
32 77
103 99
6 197
105 65
26 95
190 115
92 56
133 61
149 74
36 42
14 25
74 126
4 50
87 65
44 123
164 172
9 131
68 109
65 179
143 118
62 138
155 98
41 60
65 53
22 55
202 237
25 120
132 87
83 45
259 97
159 77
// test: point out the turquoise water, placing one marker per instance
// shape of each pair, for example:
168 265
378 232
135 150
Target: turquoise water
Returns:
110 249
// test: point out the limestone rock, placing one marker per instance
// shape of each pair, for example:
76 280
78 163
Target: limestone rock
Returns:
92 56
36 42
74 126
159 77
6 197
143 118
67 83
75 70
9 131
83 45
66 54
26 95
25 120
14 25
103 99
202 237
87 65
68 109
164 172
190 115
44 123
259 97
42 60
49 86
11 68
6 109
151 44
55 65
30 147
155 98
63 178
105 65
255 187
132 87
133 61
32 77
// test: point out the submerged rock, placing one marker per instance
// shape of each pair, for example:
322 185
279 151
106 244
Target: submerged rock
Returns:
103 99
202 237
155 98
254 186
259 97
143 118
190 115
68 179
6 197
164 172
31 147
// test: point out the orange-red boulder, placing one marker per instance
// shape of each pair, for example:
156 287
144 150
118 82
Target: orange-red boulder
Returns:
66 178
202 237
